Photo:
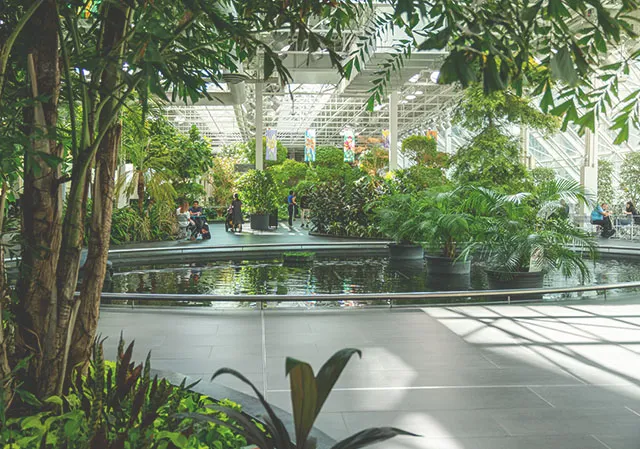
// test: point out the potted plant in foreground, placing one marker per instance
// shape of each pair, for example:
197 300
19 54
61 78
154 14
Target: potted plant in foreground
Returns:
259 194
523 236
392 213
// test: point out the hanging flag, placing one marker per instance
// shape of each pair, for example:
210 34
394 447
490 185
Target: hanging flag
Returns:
272 145
386 139
310 145
349 145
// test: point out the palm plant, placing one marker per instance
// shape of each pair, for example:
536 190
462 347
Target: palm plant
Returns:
146 148
523 231
443 220
308 394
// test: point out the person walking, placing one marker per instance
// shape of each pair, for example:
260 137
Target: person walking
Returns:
304 210
291 204
236 213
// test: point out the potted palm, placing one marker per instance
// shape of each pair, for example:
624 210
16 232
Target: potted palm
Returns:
445 226
392 214
522 236
259 194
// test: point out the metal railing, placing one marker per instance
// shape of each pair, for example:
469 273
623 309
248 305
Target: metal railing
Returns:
381 297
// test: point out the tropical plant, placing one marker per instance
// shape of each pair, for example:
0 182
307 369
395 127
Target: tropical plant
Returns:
258 191
417 178
444 222
287 175
541 175
423 150
222 181
391 218
118 405
492 160
522 231
630 176
191 159
606 192
374 159
308 395
147 147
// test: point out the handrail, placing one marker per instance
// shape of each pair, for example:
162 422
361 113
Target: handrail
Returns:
365 296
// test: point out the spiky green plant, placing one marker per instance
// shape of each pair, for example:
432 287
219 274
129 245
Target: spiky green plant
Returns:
308 394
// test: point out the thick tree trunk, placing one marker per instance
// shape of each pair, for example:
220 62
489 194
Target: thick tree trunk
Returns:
41 205
103 193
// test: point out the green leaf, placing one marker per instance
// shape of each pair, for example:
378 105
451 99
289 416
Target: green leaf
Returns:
623 135
562 67
269 66
57 400
331 371
304 398
370 436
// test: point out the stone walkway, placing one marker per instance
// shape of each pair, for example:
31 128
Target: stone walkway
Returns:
469 377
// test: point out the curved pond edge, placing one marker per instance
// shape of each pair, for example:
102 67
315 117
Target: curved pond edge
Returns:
250 405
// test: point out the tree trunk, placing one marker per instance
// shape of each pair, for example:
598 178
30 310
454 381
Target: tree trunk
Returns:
6 382
86 324
41 205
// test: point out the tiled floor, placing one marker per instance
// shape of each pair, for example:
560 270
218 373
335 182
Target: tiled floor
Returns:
469 377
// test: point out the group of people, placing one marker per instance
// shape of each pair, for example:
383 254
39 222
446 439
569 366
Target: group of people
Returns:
193 224
192 221
601 216
293 205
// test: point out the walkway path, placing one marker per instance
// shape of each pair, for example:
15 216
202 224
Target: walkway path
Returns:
469 377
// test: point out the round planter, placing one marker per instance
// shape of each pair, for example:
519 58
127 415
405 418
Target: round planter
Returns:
505 280
260 222
402 251
447 266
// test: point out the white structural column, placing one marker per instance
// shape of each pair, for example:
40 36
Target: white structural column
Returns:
448 148
259 127
589 171
393 131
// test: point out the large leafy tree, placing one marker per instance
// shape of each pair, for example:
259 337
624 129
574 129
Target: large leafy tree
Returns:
93 61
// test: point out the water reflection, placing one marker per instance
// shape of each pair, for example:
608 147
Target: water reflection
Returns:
334 276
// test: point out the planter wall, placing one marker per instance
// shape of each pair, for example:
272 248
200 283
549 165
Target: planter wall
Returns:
260 222
503 280
401 251
446 266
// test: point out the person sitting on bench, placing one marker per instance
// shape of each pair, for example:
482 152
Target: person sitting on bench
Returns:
601 216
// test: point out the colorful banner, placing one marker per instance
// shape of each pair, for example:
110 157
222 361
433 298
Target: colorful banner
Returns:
272 145
310 145
349 145
386 139
433 134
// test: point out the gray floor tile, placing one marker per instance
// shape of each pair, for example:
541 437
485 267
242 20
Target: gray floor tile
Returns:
588 396
426 400
538 442
620 442
611 421
476 423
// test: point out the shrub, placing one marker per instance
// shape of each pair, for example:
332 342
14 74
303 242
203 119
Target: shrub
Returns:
119 405
258 191
423 150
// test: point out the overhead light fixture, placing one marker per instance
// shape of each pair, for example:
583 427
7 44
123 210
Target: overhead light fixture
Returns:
410 97
404 102
418 92
379 107
414 78
434 77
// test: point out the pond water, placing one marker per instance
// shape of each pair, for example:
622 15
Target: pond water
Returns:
362 275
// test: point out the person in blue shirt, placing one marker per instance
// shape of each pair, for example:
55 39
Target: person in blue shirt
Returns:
601 217
291 204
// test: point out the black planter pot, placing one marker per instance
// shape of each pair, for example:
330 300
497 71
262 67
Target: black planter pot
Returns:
402 251
505 280
260 222
447 266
